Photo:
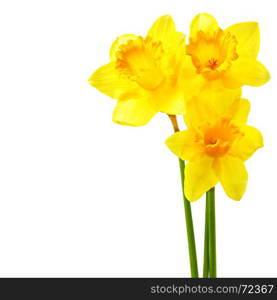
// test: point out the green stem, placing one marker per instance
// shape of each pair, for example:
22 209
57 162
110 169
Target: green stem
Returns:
189 225
188 216
206 241
212 232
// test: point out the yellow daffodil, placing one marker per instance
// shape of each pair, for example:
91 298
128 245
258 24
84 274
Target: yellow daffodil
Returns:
229 55
144 74
216 145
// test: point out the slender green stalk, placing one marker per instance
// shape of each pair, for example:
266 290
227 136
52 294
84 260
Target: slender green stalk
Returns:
189 225
206 241
188 215
212 232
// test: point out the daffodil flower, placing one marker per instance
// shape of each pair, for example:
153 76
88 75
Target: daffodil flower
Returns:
201 80
144 74
216 145
227 56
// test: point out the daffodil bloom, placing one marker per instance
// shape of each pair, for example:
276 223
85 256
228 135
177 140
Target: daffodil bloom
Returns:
228 56
216 145
144 74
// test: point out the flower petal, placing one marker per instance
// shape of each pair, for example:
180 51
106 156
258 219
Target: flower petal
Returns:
107 80
134 112
232 175
241 114
121 40
203 22
199 177
251 140
169 96
192 82
246 71
202 110
219 99
173 106
168 99
195 112
213 102
182 144
164 30
248 38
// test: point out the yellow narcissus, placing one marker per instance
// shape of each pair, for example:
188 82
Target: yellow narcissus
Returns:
216 144
228 55
144 74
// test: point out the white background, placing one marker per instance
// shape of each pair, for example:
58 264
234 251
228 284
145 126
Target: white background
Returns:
82 196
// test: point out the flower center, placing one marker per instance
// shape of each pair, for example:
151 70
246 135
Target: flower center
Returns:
219 138
212 54
139 60
212 63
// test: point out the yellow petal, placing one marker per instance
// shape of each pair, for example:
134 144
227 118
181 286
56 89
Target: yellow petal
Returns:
169 96
246 71
213 101
198 112
199 177
192 83
164 30
172 105
251 140
232 175
203 22
195 112
134 112
217 98
248 38
241 115
182 144
107 80
204 110
168 99
121 40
